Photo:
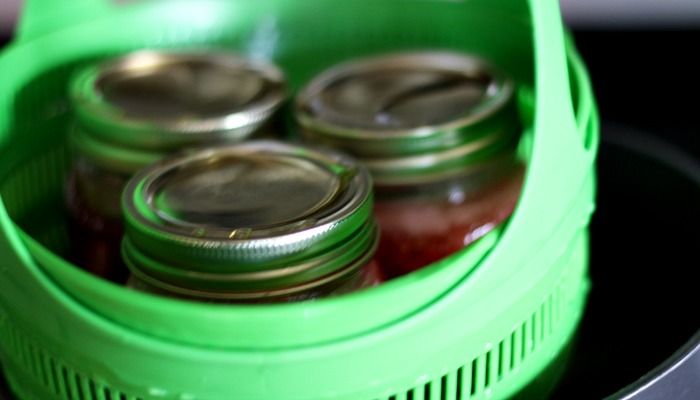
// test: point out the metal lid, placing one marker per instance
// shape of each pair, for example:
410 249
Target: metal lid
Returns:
156 101
413 117
257 216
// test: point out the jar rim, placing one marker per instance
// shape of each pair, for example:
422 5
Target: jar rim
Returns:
499 92
116 121
424 152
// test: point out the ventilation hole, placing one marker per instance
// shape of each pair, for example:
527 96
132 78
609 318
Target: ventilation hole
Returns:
54 377
487 369
86 386
501 355
409 395
591 138
467 380
513 349
92 390
452 385
550 315
561 302
558 304
474 377
533 332
42 375
27 356
75 387
35 362
426 391
525 332
50 381
544 312
32 366
518 349
68 383
459 377
529 344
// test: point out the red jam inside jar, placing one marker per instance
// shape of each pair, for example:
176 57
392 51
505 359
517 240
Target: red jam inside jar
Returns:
420 229
95 222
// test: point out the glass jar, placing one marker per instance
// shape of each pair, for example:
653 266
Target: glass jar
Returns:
439 132
133 109
254 222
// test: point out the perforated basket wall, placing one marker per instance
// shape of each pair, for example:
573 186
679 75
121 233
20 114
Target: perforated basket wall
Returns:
493 321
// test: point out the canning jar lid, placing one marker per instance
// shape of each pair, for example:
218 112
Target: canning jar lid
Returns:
152 101
413 117
256 218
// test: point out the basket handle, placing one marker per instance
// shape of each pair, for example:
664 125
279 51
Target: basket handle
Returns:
553 78
40 17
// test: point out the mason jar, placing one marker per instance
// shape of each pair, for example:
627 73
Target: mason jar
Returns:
439 132
133 109
262 221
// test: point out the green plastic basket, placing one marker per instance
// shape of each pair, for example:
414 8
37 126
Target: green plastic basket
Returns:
493 321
